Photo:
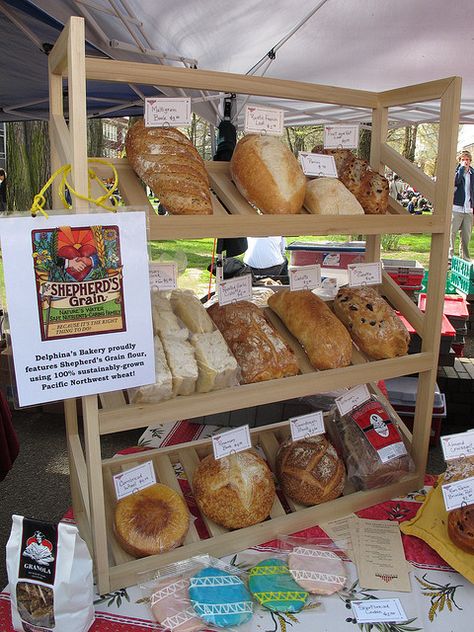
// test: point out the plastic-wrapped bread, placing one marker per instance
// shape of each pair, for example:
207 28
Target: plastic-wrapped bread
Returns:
328 196
217 366
162 388
189 309
309 319
182 363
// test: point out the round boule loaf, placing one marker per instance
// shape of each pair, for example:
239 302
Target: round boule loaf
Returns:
235 491
310 471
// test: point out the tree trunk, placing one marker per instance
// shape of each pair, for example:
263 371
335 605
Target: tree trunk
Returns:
95 137
409 143
363 150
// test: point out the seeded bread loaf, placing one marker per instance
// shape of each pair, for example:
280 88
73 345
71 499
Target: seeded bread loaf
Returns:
268 175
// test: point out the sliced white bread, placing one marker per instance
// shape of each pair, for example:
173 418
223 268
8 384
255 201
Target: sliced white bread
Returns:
217 366
182 363
189 309
162 388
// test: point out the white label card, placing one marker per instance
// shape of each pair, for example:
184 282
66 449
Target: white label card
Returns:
364 274
163 276
378 611
317 164
237 289
231 441
353 398
458 445
307 425
458 493
260 120
305 277
341 136
164 112
134 479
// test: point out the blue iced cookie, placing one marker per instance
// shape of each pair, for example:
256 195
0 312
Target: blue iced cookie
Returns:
272 585
220 598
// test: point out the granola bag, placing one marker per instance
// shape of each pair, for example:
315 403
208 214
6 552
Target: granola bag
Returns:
50 577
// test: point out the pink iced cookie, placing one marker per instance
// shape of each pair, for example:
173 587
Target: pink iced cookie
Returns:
171 607
317 570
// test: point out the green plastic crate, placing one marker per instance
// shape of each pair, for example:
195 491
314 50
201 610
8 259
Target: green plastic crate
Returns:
462 283
450 288
463 268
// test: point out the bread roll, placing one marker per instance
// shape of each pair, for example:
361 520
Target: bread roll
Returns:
235 491
372 323
309 319
268 175
328 196
310 471
167 161
461 528
151 521
162 388
260 351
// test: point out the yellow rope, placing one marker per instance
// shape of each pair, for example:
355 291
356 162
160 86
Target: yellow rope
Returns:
39 200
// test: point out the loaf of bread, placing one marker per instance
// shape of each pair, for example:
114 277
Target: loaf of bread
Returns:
182 363
260 351
162 388
167 161
268 175
310 320
235 491
328 196
310 471
191 312
165 321
372 323
369 187
216 365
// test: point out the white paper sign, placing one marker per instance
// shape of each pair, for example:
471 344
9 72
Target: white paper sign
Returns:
305 277
134 479
236 289
79 304
345 136
260 120
458 493
364 274
317 164
231 441
378 611
307 425
353 398
167 112
163 276
458 445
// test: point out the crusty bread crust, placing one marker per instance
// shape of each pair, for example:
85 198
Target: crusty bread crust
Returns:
268 175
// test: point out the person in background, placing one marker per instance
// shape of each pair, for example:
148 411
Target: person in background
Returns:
463 202
266 256
3 190
396 187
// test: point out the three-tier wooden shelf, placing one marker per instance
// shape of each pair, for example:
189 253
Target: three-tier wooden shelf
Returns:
91 477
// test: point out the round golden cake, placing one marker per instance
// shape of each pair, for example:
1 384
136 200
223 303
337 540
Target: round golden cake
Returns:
310 471
154 520
235 491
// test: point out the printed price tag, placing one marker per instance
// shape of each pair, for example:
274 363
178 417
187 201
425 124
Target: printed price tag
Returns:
364 274
378 611
305 277
353 398
345 136
164 112
237 289
134 479
317 164
163 276
267 120
458 445
458 493
307 425
231 441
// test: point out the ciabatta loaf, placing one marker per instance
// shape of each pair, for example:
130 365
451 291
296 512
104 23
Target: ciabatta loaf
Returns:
268 175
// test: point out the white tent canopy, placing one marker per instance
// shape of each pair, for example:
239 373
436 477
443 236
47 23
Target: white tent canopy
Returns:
370 45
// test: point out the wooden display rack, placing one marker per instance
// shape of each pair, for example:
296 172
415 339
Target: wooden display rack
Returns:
90 477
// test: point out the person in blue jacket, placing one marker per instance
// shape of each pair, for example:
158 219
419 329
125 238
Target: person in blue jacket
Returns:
463 203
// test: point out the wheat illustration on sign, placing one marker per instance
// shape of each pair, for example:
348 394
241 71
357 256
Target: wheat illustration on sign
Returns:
79 281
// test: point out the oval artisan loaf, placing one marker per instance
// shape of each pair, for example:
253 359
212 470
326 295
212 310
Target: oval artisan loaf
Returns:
268 175
309 319
151 521
372 323
310 471
328 196
235 491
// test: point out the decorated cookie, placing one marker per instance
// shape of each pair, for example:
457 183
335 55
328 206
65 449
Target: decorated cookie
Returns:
171 606
272 586
220 598
317 570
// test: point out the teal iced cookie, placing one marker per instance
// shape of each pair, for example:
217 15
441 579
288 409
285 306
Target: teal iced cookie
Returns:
220 598
272 585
